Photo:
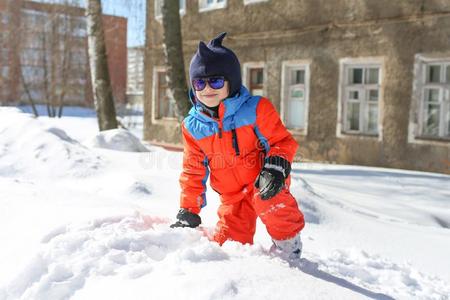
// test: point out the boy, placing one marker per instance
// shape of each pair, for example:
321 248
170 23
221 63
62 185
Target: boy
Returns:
240 139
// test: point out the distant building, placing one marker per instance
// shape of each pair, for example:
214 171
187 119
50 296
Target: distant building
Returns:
356 82
132 113
135 67
44 54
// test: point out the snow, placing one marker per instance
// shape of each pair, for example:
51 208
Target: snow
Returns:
83 219
117 139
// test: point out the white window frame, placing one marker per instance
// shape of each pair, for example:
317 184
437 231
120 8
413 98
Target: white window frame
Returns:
158 9
203 6
246 73
418 110
155 83
247 2
341 127
286 67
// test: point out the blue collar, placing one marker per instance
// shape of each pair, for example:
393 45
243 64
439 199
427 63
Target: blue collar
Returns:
230 105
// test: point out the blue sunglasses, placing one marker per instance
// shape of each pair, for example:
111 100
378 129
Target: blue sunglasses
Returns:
215 82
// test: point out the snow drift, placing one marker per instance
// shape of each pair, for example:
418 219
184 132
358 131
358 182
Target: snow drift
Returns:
117 139
28 146
371 232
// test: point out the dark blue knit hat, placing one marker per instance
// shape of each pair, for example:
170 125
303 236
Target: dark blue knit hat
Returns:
214 60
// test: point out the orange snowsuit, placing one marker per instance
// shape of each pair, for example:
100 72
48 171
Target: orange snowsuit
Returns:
231 149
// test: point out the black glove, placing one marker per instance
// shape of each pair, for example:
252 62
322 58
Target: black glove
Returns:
186 219
271 179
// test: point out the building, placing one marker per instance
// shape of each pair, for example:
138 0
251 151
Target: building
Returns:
356 82
135 65
132 113
135 73
44 54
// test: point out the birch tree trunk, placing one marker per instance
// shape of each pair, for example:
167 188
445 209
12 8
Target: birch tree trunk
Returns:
173 50
101 84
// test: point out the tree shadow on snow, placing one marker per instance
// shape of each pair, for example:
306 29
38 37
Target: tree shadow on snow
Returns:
312 268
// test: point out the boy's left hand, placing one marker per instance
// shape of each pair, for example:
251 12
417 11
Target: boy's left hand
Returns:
271 179
270 182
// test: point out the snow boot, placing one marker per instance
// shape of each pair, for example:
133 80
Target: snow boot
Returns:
290 249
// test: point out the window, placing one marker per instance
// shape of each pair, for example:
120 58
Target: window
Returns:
4 18
253 1
158 8
254 77
78 58
164 104
360 98
33 74
4 38
205 5
36 21
79 26
295 93
36 93
32 57
4 72
4 56
433 82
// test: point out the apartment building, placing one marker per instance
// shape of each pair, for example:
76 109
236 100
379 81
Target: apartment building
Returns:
44 54
135 65
356 81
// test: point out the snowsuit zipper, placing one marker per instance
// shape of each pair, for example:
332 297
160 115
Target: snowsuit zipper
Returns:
235 142
220 131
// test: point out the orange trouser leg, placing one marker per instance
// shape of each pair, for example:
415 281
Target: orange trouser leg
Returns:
237 222
280 214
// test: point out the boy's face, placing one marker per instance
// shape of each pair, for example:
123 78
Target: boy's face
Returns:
212 97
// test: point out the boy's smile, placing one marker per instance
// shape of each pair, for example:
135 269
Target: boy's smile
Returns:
209 95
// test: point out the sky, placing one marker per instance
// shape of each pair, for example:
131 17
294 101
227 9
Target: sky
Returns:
134 10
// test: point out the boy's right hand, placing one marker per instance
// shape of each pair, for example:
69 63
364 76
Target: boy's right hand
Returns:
186 219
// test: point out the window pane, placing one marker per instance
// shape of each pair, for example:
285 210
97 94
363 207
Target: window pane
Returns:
296 114
260 77
373 95
448 122
355 76
256 76
447 74
298 77
162 78
432 119
432 95
433 74
373 118
166 105
297 93
353 116
372 75
353 95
